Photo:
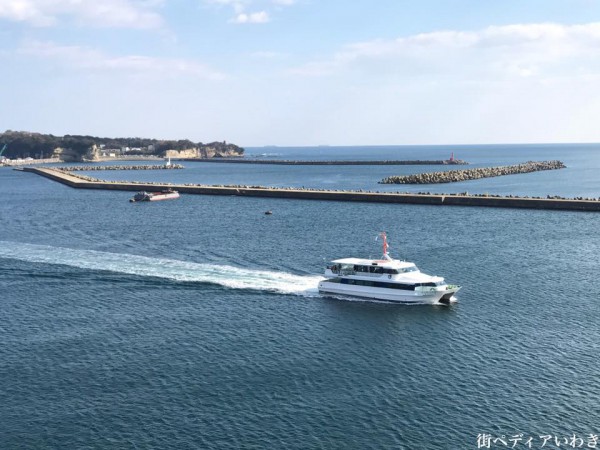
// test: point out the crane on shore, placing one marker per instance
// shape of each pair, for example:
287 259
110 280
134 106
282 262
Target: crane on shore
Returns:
2 151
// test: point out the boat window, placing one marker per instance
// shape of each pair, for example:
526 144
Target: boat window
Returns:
432 284
346 269
404 287
378 284
408 269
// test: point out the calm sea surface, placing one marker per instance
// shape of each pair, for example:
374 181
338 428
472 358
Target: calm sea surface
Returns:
196 324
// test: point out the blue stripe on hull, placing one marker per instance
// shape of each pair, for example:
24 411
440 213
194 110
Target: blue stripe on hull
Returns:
383 296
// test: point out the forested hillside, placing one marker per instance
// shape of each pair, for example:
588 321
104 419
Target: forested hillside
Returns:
21 144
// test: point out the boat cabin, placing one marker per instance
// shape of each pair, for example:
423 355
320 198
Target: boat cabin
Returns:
355 266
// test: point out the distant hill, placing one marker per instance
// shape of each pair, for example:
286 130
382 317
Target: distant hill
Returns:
23 144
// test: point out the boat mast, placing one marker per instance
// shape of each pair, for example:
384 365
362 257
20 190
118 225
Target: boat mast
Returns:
385 246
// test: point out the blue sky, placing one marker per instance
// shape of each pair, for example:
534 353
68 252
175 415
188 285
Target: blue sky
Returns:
304 72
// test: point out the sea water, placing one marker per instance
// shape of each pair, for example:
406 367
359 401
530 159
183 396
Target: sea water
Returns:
196 323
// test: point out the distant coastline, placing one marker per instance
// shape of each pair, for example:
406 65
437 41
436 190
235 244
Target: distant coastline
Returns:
15 145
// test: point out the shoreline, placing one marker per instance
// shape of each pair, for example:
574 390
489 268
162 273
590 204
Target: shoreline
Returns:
76 181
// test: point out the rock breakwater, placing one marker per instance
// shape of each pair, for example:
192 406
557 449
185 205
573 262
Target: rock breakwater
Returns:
453 176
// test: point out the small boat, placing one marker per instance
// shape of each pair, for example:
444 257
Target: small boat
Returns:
165 194
385 279
268 213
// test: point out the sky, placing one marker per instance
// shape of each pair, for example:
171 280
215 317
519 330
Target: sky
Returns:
304 72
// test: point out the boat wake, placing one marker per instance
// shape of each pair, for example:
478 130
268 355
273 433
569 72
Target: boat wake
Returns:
227 276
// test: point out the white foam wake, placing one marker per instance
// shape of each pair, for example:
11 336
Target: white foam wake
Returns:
228 276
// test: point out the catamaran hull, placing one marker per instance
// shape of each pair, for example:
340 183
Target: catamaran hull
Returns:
383 294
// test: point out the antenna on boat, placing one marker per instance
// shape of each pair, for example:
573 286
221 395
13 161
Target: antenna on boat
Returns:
385 246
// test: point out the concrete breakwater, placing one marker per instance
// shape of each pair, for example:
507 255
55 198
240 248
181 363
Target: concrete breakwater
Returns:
288 162
84 182
453 176
28 162
123 167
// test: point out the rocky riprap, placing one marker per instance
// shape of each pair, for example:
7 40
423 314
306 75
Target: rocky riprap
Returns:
454 176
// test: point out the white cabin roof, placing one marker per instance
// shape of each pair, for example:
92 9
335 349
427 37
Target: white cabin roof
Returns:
389 263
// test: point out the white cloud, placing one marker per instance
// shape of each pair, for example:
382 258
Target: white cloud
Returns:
515 83
105 13
85 58
241 7
257 17
514 50
24 11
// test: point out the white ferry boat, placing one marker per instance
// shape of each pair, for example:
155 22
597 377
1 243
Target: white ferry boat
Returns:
385 279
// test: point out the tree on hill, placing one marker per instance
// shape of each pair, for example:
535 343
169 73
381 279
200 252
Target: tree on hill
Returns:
22 144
